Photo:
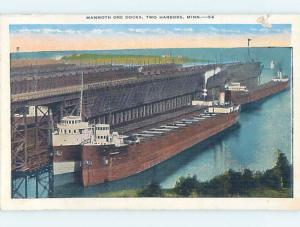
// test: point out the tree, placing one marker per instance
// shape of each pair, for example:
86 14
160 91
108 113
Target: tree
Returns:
248 181
187 186
258 179
152 190
280 176
219 186
284 168
235 182
272 179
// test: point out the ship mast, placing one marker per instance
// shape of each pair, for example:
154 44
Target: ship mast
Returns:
81 95
249 49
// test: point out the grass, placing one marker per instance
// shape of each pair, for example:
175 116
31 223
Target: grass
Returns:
128 59
121 193
134 193
270 193
169 193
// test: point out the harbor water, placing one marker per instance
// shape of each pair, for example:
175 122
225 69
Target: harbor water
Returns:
263 128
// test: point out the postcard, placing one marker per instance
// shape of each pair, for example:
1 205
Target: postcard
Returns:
150 112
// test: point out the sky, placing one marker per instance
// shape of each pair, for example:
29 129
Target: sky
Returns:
50 37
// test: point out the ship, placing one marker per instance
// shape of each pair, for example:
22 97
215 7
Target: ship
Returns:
100 155
164 91
241 95
272 65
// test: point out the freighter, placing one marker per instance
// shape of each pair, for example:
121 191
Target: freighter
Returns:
103 156
242 95
126 97
100 156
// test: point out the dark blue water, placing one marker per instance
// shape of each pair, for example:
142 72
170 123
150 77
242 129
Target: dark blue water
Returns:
263 128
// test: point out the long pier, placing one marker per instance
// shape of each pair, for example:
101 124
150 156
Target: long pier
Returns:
119 95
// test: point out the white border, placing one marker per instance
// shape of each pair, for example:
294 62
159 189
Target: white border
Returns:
140 203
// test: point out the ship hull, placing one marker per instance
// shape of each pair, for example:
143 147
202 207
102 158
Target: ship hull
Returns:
66 159
261 92
100 166
247 74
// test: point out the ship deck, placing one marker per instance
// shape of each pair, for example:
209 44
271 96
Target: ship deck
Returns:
148 123
167 128
161 125
266 85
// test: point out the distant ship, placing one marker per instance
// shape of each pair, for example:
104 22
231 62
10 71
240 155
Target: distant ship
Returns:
272 65
242 96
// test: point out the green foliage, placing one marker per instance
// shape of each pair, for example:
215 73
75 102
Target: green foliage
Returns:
271 179
187 186
129 59
280 176
152 190
248 180
270 193
234 183
275 182
284 169
229 184
217 187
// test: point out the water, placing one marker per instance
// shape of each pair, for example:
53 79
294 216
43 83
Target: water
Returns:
264 55
252 144
263 128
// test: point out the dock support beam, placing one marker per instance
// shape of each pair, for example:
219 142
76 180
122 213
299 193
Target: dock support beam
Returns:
40 181
144 111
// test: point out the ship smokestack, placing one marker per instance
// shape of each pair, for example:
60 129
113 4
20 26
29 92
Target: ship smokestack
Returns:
227 96
222 98
280 74
204 91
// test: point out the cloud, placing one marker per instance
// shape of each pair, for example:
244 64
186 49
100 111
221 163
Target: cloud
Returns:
209 30
222 31
45 31
50 31
184 29
138 30
265 30
99 31
149 31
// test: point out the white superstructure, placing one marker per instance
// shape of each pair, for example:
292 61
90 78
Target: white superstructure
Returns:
223 109
102 136
71 131
280 77
272 65
204 103
235 86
